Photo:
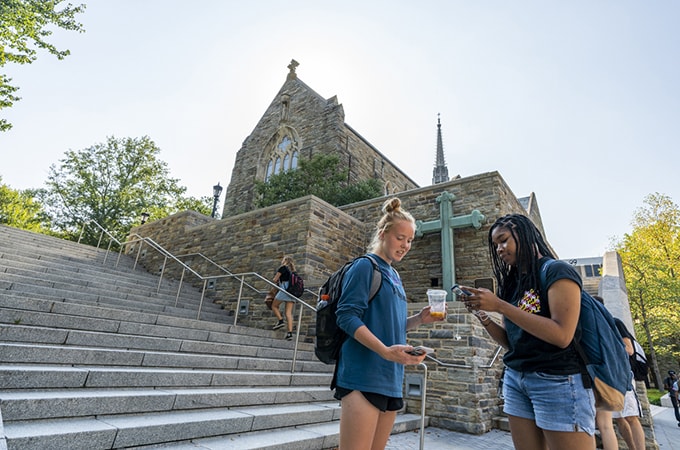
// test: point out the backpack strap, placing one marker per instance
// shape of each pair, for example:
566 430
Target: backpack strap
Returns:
376 282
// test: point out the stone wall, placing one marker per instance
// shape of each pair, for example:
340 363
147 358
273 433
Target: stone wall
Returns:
462 395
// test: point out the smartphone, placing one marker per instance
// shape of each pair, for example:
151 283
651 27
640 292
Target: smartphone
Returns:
417 351
460 291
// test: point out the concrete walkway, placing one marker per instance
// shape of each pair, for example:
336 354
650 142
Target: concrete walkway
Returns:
665 428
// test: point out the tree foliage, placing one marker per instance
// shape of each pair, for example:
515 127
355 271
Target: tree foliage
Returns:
320 176
24 28
112 183
20 210
651 259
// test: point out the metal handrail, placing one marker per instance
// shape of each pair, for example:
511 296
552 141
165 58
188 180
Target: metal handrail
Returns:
101 235
226 274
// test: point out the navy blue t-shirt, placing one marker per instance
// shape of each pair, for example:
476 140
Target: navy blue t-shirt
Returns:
526 352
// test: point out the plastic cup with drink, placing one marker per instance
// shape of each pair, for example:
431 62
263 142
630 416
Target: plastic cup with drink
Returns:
437 300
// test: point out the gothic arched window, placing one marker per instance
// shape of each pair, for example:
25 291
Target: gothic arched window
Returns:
284 157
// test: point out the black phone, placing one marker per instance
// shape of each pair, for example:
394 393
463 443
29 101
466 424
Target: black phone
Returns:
417 351
460 291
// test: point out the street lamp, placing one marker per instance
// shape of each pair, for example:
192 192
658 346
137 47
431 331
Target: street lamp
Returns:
217 190
145 216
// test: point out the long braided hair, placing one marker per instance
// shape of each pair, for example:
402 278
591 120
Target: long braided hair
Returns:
524 275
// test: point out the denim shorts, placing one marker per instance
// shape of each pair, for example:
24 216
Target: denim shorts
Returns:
283 296
554 402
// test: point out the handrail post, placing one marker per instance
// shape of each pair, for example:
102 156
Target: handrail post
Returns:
108 249
160 279
101 236
82 230
297 339
180 286
238 300
423 395
200 305
139 250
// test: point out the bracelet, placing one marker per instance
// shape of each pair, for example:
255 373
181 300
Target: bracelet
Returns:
486 324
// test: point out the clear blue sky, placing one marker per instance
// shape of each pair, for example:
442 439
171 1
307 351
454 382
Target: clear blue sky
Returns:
578 101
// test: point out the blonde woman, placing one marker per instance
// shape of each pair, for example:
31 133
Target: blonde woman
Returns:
372 358
282 278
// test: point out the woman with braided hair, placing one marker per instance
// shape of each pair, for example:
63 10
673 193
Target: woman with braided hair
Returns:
548 402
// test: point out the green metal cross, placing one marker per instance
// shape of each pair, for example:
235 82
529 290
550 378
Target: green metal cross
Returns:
445 224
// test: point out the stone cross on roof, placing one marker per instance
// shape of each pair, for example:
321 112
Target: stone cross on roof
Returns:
292 66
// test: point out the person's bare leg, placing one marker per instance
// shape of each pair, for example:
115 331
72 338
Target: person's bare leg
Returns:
358 422
607 433
289 315
637 434
384 429
275 307
626 432
526 435
569 440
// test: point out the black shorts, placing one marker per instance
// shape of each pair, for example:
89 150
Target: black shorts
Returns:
382 402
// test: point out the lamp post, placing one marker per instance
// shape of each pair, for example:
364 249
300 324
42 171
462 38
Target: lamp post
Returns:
145 217
217 190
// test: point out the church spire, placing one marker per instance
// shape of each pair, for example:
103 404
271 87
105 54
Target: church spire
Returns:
440 174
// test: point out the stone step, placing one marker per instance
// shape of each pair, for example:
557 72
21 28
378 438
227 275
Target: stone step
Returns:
108 291
22 405
128 430
72 355
75 317
36 376
307 437
16 238
130 302
124 280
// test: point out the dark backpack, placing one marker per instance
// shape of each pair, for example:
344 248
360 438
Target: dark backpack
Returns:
329 337
296 285
638 362
601 348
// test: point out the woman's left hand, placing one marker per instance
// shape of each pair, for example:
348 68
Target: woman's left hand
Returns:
426 317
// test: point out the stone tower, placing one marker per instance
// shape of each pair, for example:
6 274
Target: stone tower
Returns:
440 174
299 123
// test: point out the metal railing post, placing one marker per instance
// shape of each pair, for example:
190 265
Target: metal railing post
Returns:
297 339
200 304
423 397
238 300
179 290
160 279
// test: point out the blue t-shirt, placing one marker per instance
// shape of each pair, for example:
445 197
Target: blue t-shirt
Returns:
360 368
526 352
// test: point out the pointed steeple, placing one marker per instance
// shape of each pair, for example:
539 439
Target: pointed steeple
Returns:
440 174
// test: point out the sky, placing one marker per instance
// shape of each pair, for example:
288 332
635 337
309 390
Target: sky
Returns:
577 102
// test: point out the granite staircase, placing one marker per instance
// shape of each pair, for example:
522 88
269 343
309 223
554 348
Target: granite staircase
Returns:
94 356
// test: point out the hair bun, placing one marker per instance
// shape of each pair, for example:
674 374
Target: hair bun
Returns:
391 205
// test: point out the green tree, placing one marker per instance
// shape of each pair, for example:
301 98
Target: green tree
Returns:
20 210
24 27
320 176
112 183
650 255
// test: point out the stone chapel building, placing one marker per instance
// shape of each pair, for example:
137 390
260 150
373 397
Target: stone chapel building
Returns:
299 123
